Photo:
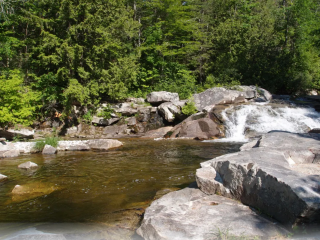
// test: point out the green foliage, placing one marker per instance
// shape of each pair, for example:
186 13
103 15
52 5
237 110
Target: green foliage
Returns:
76 93
52 141
86 51
39 145
189 108
87 117
106 112
17 138
18 103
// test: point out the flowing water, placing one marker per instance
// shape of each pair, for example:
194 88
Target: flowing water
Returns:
262 118
84 193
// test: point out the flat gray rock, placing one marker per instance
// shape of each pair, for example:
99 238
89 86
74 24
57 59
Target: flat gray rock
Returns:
236 94
104 144
73 146
216 96
161 97
296 147
191 214
11 153
49 150
6 146
269 177
28 165
3 178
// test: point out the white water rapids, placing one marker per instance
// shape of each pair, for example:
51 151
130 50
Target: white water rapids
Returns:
262 118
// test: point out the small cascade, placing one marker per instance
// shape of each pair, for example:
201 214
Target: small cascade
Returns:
244 121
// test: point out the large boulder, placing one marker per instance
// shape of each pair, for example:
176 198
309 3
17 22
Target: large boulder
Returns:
157 133
203 128
157 98
193 215
11 134
237 94
263 95
170 110
104 144
269 175
216 96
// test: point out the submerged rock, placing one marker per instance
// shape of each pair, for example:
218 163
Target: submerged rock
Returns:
32 190
263 177
28 165
193 215
49 150
164 191
3 178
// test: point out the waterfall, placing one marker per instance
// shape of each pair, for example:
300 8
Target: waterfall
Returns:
262 118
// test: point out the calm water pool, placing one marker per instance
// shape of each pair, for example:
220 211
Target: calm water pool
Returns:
92 189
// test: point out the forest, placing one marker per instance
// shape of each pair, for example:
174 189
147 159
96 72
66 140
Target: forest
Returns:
58 52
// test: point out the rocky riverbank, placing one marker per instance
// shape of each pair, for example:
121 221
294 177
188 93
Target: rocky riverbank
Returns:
277 176
137 116
14 149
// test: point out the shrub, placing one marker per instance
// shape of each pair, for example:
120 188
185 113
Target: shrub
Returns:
88 116
106 112
18 103
52 141
189 108
39 145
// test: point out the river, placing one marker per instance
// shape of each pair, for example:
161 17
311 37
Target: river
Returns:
91 195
